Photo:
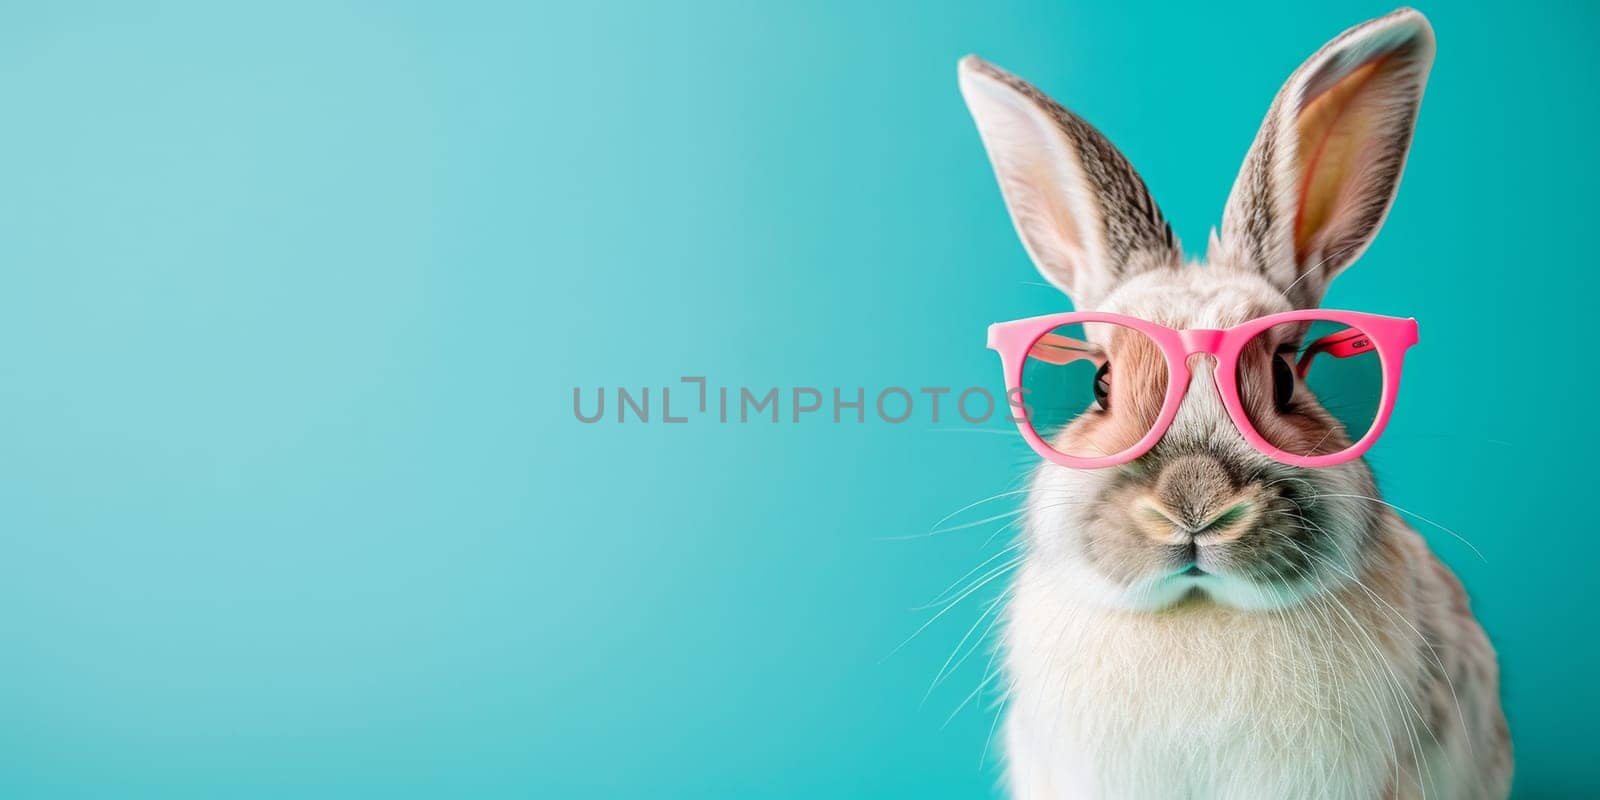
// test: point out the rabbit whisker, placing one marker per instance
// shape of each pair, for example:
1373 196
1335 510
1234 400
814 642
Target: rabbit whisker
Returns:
1414 514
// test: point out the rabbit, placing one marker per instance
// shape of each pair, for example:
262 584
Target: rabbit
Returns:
1367 675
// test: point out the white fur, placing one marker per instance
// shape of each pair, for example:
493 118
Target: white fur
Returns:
1199 701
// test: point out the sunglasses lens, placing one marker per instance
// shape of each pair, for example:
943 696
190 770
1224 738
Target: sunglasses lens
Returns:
1311 388
1093 390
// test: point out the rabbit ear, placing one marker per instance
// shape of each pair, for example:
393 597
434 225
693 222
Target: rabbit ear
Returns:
1083 214
1324 168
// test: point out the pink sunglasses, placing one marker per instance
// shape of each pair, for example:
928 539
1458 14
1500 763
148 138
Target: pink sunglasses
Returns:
1287 410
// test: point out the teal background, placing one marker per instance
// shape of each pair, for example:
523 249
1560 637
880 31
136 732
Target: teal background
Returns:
295 295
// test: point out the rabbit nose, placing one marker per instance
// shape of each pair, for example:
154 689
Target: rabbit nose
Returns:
1195 498
1169 527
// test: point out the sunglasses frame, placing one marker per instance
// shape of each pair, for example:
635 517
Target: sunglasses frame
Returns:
1391 337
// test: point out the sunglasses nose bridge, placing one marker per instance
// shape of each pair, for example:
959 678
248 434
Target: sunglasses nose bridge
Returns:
1201 340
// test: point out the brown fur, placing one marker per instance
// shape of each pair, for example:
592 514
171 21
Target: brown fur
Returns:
1138 384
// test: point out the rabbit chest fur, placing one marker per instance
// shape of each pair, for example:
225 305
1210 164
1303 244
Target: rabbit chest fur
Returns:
1383 689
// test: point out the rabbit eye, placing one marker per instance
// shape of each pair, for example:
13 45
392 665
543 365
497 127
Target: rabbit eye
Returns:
1102 386
1282 383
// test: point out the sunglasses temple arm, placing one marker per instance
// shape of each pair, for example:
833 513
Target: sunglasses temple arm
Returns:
1343 344
1058 350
